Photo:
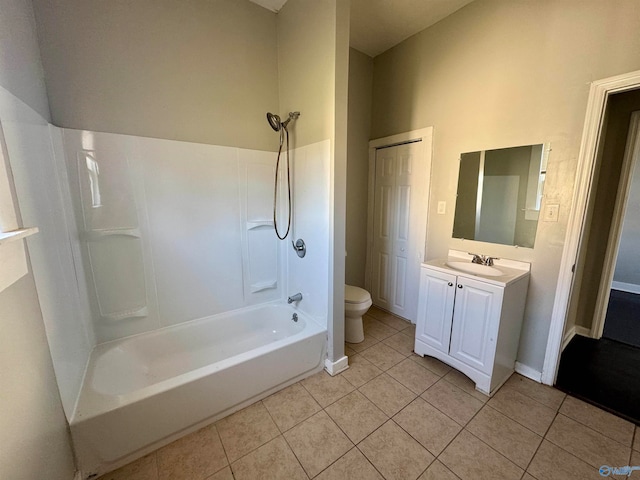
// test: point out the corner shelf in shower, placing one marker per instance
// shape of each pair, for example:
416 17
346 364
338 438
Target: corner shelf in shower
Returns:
126 314
260 286
94 235
259 224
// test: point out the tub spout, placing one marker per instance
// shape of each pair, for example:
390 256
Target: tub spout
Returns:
294 298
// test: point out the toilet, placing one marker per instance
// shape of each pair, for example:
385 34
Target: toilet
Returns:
356 303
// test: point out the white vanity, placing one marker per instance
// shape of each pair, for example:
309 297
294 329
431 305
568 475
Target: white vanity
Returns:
470 316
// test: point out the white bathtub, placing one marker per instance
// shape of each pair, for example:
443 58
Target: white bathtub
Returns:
144 391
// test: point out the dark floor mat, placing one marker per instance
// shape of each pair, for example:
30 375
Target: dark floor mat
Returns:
623 318
603 372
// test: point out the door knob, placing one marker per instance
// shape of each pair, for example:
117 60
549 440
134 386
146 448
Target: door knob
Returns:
459 286
450 284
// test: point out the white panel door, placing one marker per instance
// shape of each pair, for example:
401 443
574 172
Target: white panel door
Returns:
400 195
435 309
476 317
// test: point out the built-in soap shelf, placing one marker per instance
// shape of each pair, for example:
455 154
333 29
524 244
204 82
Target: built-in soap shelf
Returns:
125 315
93 235
260 286
259 224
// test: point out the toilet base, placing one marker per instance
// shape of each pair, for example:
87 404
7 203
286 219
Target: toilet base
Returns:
353 330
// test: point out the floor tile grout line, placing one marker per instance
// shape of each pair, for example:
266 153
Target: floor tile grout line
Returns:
593 429
444 413
224 450
555 445
567 451
492 448
296 456
607 437
517 421
529 396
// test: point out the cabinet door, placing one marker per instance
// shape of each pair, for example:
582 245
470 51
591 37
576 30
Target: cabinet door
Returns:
476 315
435 308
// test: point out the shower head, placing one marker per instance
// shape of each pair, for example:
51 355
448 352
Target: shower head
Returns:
274 121
277 124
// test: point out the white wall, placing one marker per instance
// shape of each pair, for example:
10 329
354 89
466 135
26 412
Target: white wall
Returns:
310 275
503 73
198 70
33 430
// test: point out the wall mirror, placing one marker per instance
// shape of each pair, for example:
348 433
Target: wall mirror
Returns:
499 195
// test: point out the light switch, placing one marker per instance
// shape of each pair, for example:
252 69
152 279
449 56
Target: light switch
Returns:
442 207
551 213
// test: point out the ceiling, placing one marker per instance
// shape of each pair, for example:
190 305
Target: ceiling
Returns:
378 25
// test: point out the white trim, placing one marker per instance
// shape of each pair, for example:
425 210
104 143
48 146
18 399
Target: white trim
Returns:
426 136
568 337
528 372
631 152
625 287
334 368
582 331
598 94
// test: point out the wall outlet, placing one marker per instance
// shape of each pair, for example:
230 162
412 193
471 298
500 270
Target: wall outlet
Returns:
551 213
442 207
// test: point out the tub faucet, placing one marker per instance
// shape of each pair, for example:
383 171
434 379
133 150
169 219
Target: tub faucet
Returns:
294 298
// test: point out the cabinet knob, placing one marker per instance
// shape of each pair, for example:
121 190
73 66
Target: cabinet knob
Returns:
459 286
450 284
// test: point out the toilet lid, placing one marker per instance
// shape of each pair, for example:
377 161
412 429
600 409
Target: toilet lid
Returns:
355 294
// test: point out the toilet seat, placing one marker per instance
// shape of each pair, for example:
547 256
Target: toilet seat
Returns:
356 295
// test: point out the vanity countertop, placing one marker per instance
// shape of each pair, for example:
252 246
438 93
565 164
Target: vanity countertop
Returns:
512 270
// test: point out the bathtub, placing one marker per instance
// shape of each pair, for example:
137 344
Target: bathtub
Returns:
142 392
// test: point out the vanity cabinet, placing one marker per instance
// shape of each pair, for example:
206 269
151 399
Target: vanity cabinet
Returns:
471 323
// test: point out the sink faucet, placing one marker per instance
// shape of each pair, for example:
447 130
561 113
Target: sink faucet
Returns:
483 260
294 298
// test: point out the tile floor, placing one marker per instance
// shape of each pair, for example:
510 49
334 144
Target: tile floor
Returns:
394 415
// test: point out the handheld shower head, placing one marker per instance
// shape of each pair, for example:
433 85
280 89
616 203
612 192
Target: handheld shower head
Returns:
274 121
277 124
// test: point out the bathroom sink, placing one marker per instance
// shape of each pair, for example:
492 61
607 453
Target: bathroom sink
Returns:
476 269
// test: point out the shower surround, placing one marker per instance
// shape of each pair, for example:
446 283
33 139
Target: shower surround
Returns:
171 233
160 256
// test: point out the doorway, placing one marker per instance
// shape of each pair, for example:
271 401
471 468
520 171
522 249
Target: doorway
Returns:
593 367
399 174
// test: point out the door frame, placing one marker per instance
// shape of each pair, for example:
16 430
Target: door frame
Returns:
425 136
613 244
597 101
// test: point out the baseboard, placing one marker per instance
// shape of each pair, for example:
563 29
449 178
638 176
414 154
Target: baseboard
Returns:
625 287
334 368
584 331
568 337
529 372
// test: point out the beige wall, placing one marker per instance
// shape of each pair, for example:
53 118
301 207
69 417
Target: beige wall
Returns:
359 127
500 73
313 68
33 429
306 67
20 66
195 70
